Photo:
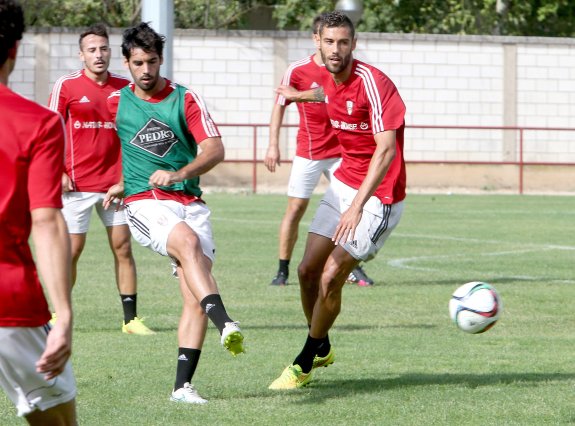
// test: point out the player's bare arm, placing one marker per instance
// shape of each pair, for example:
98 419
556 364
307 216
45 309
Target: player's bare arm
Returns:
272 157
52 244
311 95
378 166
212 153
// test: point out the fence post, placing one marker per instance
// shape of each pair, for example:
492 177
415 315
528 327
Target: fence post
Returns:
521 161
255 161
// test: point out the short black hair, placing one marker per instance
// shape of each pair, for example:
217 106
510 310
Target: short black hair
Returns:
11 26
96 29
144 37
336 19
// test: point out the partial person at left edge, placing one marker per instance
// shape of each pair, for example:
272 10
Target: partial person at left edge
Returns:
93 164
35 368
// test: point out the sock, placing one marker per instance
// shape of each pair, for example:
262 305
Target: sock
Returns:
214 308
129 303
324 347
187 362
284 266
309 351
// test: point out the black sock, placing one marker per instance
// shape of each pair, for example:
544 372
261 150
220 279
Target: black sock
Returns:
129 304
214 308
284 266
309 351
187 363
324 347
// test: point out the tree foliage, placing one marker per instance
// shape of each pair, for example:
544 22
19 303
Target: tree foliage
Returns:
81 13
554 18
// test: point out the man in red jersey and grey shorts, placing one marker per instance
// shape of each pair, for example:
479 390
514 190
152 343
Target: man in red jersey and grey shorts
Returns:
364 202
93 164
35 369
317 152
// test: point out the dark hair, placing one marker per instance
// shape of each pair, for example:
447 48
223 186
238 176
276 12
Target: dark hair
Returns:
336 19
11 26
316 23
96 29
144 37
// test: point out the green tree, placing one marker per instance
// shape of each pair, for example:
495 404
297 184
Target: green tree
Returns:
553 18
81 13
218 14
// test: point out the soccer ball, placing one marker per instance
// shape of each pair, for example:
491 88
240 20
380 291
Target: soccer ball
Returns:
475 307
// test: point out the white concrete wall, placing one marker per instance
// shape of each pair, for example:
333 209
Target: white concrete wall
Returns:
444 81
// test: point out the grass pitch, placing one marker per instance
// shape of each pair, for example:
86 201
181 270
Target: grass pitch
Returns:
399 359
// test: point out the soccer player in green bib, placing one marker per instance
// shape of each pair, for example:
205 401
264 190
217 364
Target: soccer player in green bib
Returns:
161 125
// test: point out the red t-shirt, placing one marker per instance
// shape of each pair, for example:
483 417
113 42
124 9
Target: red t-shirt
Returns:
198 126
31 166
365 104
315 138
93 151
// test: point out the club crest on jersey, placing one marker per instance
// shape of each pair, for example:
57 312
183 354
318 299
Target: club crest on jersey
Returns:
349 106
155 137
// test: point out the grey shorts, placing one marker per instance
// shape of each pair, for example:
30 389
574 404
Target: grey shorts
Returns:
20 348
377 222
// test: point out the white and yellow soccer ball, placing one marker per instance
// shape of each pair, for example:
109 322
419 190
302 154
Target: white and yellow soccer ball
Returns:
475 307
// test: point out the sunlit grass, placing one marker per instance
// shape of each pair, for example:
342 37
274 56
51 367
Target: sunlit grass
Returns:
399 358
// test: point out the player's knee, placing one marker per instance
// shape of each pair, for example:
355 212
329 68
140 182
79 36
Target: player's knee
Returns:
122 249
308 274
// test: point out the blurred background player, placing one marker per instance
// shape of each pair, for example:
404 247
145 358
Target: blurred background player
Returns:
364 202
161 125
317 152
35 370
93 164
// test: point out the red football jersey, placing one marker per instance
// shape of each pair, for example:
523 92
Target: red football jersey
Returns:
365 104
93 151
315 138
31 167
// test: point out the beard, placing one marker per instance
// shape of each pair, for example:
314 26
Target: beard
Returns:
148 84
336 68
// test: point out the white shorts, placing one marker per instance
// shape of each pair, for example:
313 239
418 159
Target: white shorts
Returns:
305 175
20 348
151 222
78 210
377 220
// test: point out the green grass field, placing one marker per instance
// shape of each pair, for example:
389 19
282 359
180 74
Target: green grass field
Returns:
400 360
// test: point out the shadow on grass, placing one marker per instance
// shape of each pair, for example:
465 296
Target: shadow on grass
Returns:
344 327
322 389
338 388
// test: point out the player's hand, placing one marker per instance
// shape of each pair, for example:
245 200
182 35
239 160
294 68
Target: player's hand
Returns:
272 158
287 92
163 178
114 195
58 350
345 230
66 183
